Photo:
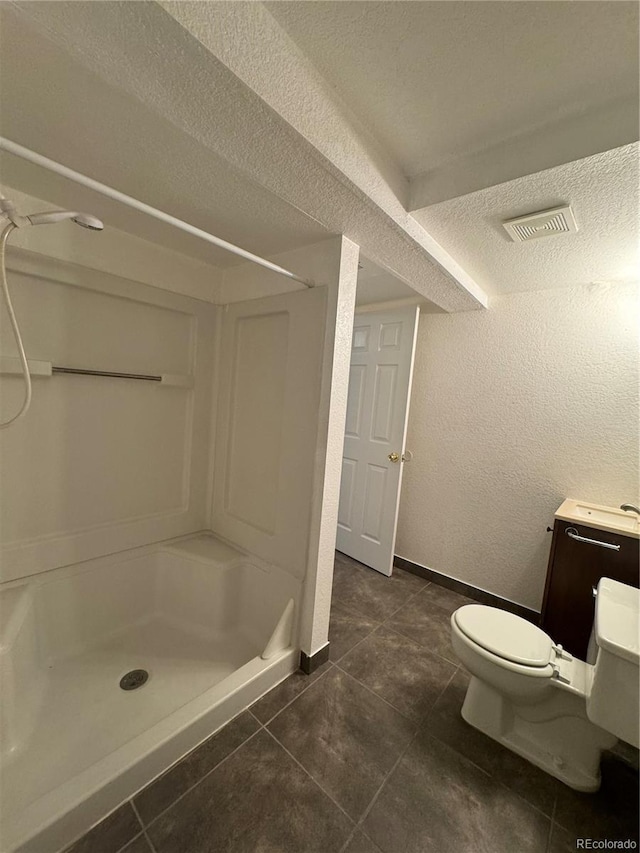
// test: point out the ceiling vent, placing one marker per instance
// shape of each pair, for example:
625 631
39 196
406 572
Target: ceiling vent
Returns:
543 223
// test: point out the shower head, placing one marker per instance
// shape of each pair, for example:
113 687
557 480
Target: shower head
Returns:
86 220
50 217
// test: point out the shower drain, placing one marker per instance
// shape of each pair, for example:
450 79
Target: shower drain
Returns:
134 679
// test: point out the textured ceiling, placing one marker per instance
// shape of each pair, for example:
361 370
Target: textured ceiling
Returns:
277 125
435 81
56 106
603 192
131 96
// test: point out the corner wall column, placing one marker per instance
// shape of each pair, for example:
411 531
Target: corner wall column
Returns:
316 608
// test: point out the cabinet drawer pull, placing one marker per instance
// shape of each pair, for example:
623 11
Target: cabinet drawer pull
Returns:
573 534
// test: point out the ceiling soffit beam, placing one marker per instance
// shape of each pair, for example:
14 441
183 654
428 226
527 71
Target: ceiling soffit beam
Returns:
257 50
572 138
142 50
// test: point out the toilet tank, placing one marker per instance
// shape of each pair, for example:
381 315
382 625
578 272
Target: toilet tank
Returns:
613 702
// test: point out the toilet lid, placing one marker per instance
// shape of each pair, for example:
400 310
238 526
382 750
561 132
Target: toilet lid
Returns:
504 634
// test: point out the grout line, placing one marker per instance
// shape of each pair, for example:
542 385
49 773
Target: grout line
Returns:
186 755
251 714
552 822
377 695
395 630
201 779
405 602
149 842
355 646
313 779
262 726
424 720
120 849
442 692
421 725
304 690
348 841
422 646
374 799
136 813
144 831
378 625
496 781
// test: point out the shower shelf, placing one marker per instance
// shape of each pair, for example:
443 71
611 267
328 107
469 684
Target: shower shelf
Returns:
12 366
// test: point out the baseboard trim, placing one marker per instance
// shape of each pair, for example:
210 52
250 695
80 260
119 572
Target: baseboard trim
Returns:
309 663
479 595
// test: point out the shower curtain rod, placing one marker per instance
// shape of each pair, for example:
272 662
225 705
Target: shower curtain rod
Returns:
116 195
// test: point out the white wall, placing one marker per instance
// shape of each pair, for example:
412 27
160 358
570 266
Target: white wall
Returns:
513 410
269 394
101 464
113 251
286 508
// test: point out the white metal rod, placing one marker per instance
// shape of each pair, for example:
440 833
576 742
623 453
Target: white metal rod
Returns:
46 163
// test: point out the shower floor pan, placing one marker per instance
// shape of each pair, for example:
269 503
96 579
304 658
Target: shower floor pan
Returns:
212 628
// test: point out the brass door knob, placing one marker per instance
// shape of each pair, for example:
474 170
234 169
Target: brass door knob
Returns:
393 457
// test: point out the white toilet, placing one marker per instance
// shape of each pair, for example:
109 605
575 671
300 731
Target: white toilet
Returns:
534 698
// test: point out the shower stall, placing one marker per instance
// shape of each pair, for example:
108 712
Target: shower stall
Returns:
167 517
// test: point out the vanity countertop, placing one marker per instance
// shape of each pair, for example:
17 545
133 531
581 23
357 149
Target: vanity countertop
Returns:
611 519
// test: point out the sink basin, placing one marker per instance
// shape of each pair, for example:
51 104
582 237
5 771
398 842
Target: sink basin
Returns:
601 517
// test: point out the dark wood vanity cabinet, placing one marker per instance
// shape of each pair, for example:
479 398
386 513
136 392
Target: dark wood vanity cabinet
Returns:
574 571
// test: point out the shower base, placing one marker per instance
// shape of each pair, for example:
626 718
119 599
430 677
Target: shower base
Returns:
195 614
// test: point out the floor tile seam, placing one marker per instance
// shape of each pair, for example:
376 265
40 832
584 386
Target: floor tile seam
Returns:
555 810
249 711
150 842
129 841
356 612
404 603
553 821
124 846
549 835
486 772
343 605
313 779
367 811
184 757
349 840
442 692
291 701
427 716
200 780
422 646
561 825
377 696
468 599
491 776
360 641
144 831
136 813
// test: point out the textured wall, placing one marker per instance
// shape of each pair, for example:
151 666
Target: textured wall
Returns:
513 410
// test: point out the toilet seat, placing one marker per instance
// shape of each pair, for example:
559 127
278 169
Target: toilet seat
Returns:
505 635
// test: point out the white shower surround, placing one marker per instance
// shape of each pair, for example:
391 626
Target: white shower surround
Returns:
93 567
214 627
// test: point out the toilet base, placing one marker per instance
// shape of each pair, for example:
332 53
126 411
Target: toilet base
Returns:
555 734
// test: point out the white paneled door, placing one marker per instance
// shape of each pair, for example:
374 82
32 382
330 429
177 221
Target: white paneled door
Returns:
382 352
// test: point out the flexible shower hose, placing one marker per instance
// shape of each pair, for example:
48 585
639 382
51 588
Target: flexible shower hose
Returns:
14 328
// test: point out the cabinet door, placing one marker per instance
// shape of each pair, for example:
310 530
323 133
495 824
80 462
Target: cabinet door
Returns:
574 570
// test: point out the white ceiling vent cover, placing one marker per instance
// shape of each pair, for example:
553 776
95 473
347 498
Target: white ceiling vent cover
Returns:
543 223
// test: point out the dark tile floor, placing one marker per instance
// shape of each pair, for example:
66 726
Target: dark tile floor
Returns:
367 755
